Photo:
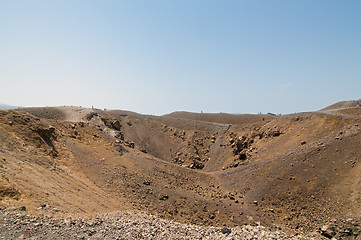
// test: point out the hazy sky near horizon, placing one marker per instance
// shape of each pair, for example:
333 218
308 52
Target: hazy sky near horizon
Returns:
156 57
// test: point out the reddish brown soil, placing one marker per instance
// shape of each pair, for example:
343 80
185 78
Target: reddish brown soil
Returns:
296 171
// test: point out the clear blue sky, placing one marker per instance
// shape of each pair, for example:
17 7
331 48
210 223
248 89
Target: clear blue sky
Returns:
161 56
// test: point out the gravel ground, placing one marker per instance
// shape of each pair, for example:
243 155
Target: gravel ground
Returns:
123 225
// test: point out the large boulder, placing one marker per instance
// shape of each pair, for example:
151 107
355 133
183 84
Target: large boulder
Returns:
116 125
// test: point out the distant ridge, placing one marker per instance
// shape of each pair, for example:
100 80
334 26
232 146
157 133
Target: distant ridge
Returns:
343 104
224 118
5 106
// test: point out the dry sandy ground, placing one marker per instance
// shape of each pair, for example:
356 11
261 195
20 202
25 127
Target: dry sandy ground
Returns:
295 172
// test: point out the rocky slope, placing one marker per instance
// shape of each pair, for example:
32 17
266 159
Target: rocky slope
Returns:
296 172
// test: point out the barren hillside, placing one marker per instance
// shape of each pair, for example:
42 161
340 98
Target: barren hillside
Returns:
296 171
